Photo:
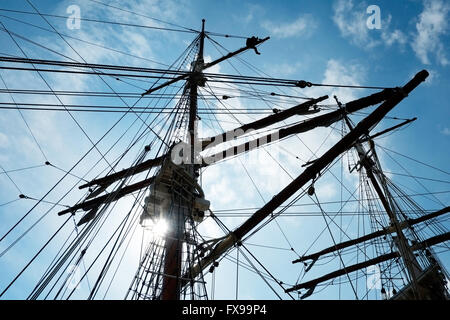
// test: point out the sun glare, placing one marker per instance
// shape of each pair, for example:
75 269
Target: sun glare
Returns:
159 228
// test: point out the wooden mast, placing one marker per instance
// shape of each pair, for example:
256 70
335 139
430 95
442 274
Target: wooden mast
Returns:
174 238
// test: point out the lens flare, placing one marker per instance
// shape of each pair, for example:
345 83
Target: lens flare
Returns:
160 228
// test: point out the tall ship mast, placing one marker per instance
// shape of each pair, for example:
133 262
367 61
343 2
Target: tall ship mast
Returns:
150 199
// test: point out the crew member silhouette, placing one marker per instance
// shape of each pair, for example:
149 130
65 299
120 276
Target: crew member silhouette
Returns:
252 42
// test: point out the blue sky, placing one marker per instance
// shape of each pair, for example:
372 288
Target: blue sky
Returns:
318 41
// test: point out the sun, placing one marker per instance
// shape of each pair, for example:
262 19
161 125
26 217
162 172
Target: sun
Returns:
160 228
155 228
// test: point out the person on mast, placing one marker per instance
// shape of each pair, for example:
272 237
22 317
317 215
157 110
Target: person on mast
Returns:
251 43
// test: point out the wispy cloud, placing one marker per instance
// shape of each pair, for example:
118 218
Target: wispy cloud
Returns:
304 25
254 10
396 36
431 26
391 37
352 23
339 72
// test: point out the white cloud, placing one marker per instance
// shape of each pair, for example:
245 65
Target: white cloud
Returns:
431 26
393 37
342 73
390 38
304 25
352 23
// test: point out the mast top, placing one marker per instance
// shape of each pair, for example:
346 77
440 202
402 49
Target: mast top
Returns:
202 41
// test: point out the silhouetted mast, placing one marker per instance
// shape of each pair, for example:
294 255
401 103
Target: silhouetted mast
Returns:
175 237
